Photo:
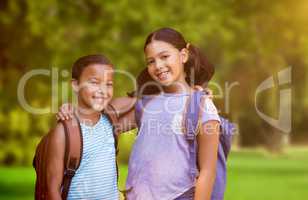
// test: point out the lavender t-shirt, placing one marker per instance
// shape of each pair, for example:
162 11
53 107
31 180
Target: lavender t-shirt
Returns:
159 162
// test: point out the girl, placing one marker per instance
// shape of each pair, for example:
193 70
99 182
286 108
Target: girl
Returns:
159 162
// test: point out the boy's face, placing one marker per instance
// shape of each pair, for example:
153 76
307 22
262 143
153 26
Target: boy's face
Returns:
94 87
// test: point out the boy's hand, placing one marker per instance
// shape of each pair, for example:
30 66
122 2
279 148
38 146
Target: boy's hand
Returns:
66 112
208 91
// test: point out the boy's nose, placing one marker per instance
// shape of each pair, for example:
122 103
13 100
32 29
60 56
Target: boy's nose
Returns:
103 93
103 90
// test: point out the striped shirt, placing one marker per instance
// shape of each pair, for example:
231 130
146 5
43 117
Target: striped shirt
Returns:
96 177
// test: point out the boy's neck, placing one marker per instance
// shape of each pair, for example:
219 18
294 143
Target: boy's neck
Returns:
88 116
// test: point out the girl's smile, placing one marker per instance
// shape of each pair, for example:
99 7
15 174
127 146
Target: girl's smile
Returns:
164 75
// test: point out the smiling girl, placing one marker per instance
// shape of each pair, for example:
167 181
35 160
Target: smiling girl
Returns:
159 165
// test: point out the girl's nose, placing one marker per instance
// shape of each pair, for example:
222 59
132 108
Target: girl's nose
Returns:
159 64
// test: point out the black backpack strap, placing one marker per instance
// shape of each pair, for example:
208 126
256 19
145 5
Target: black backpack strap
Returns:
113 117
73 152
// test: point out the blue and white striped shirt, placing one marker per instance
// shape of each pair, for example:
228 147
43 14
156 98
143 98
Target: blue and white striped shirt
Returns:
96 177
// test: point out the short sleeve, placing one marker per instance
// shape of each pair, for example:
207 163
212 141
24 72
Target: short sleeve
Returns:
208 111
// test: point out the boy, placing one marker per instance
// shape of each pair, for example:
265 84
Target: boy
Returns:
96 177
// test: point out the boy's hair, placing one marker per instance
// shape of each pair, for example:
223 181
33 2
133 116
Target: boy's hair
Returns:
198 69
85 61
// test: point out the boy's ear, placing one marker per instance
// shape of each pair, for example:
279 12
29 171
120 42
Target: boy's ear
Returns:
75 85
184 55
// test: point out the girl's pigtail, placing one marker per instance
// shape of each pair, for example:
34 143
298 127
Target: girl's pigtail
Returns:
146 85
198 69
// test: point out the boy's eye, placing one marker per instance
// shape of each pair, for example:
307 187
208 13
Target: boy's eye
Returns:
93 82
109 84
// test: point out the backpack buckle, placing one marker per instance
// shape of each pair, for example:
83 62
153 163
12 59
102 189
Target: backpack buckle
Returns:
190 137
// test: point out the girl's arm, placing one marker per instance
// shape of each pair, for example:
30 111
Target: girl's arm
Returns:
208 141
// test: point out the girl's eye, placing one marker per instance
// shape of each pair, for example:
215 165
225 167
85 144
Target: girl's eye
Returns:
109 84
165 56
150 62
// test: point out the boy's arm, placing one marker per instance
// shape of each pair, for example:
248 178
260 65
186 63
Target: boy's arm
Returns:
208 141
55 162
127 122
125 109
123 105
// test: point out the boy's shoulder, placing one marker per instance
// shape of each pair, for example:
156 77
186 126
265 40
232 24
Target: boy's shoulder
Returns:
56 136
57 130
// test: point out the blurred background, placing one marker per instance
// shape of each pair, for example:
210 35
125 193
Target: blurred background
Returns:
247 41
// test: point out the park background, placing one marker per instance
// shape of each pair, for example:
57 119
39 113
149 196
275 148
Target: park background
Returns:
247 41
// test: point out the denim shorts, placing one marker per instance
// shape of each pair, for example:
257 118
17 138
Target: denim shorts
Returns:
188 195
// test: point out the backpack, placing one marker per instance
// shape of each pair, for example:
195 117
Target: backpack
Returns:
225 141
72 157
191 131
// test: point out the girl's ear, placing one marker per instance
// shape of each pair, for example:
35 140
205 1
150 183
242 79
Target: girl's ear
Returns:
184 55
75 85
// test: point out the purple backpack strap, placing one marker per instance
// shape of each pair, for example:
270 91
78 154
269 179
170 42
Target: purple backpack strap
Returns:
225 140
191 125
226 132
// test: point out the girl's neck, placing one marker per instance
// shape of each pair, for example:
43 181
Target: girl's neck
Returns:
180 87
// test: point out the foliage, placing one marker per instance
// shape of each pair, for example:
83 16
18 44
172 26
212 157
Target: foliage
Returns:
247 41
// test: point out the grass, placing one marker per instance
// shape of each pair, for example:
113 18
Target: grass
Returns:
252 175
257 175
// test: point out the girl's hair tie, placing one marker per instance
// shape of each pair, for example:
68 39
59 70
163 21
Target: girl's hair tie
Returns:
187 45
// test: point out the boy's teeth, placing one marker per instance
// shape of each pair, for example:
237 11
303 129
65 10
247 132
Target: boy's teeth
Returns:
98 98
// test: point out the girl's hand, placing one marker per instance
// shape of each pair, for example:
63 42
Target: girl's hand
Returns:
208 91
66 112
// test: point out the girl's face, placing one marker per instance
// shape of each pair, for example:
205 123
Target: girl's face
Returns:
165 63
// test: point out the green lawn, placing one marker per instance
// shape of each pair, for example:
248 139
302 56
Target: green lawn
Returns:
259 176
252 175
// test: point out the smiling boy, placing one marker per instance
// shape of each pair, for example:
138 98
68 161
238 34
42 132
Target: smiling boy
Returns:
96 177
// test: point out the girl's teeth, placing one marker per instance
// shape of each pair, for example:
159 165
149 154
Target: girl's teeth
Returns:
163 75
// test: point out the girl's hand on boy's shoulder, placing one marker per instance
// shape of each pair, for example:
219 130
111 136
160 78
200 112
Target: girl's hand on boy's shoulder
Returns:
66 112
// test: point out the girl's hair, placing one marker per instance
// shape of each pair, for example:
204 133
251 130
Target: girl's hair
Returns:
81 63
198 69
